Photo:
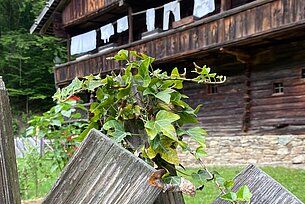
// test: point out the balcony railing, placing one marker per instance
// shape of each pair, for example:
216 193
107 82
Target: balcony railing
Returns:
240 25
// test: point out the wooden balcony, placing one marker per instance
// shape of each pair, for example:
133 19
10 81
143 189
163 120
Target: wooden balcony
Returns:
245 25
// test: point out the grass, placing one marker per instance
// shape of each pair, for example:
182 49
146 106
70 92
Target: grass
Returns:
35 183
292 179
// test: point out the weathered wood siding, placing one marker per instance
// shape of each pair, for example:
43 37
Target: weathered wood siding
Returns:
9 184
77 9
103 172
273 111
222 112
240 25
263 187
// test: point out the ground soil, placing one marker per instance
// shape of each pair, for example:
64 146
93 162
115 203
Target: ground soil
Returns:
37 201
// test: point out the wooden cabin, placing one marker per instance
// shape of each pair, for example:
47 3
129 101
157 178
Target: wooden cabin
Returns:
258 115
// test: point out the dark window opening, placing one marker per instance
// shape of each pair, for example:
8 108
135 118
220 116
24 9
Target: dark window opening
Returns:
278 88
212 89
303 73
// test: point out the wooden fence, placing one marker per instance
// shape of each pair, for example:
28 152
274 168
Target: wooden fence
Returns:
264 188
9 185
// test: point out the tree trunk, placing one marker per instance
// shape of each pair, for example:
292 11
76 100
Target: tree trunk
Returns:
9 185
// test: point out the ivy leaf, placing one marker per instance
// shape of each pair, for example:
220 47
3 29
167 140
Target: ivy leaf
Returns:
231 196
166 148
186 118
66 113
175 75
93 84
228 185
143 75
122 55
76 115
174 180
165 95
135 54
57 108
148 91
199 153
196 133
162 123
201 176
184 145
244 194
116 130
124 91
74 86
58 95
56 123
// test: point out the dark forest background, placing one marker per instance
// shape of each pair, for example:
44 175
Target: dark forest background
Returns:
26 60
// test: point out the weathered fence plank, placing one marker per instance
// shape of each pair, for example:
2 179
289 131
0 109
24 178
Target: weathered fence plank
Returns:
9 185
103 172
265 189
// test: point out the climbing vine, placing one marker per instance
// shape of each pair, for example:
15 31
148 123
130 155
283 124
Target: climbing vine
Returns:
144 110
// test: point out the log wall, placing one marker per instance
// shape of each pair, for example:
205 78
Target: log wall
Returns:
222 112
271 111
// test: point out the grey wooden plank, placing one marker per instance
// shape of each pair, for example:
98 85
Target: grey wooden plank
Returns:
103 172
9 184
264 188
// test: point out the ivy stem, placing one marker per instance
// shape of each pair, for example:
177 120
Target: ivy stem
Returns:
196 81
210 174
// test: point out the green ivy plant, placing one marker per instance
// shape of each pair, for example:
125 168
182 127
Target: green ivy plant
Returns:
144 110
151 100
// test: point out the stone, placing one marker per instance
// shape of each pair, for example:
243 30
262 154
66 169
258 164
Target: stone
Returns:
285 139
282 151
239 150
299 159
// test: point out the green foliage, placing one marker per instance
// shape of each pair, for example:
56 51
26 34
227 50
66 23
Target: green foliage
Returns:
16 14
150 100
147 97
26 72
241 196
35 178
55 126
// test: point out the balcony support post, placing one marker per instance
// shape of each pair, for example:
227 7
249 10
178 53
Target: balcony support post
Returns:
130 22
69 48
225 5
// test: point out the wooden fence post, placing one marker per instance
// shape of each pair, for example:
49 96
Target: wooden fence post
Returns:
101 171
9 184
263 188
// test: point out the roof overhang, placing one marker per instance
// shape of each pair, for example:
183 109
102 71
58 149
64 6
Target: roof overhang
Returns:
44 20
